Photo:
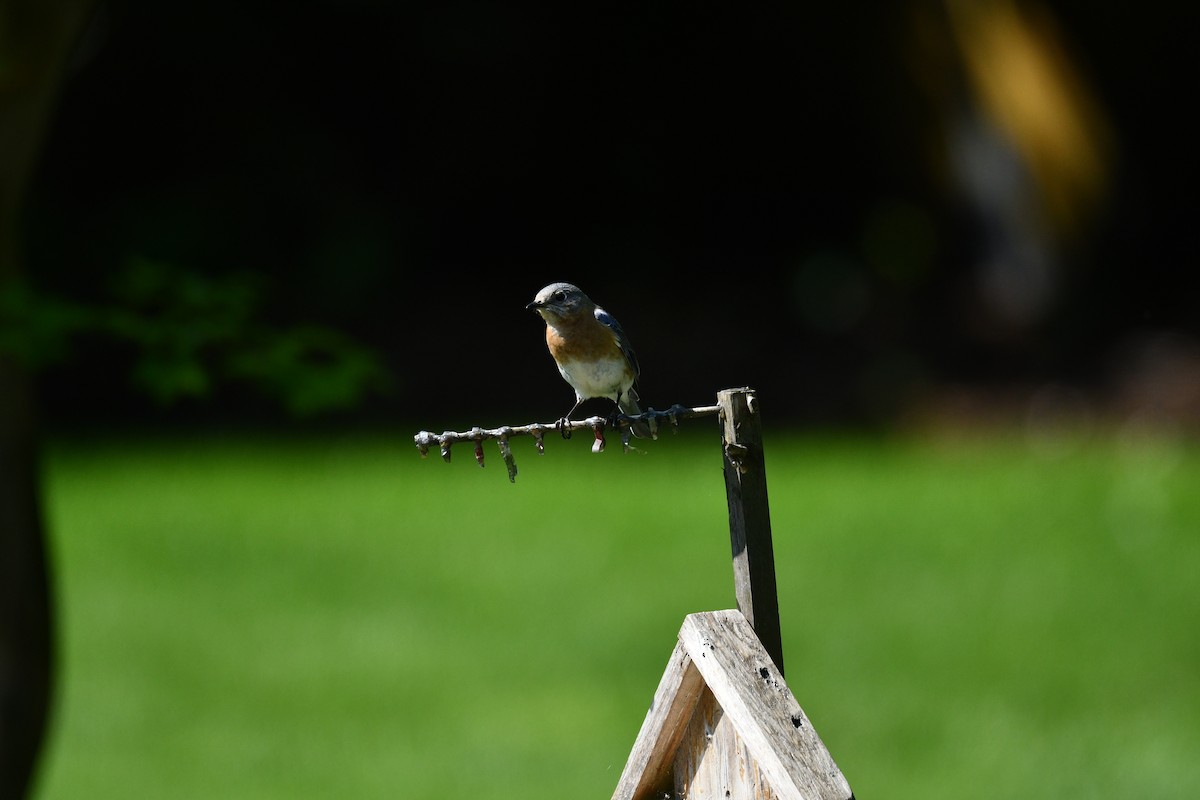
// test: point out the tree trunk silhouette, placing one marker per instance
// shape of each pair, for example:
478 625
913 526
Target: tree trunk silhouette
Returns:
35 42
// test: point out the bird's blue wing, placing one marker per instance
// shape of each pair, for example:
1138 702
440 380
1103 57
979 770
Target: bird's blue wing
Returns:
610 322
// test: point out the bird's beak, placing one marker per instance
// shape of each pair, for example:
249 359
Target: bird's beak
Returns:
533 306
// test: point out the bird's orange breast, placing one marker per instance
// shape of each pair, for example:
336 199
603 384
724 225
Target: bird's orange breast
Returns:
581 340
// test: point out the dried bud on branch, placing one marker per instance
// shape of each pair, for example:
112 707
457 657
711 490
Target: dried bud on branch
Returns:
477 435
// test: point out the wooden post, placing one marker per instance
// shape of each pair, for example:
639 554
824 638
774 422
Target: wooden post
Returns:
750 517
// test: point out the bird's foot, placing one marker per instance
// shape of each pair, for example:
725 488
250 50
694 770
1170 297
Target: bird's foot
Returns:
564 427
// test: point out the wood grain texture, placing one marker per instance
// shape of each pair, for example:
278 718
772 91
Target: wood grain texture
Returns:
750 517
753 696
712 761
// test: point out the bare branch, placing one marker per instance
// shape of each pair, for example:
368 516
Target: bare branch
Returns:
538 430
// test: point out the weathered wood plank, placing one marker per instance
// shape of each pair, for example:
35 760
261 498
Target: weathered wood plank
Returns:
753 696
647 773
712 761
750 517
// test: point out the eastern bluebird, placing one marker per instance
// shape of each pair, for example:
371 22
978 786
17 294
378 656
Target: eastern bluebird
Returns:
591 351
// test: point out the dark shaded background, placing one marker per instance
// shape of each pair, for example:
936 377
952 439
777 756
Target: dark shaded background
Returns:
763 194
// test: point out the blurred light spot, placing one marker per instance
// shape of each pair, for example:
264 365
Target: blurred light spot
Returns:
1027 146
1015 261
1025 83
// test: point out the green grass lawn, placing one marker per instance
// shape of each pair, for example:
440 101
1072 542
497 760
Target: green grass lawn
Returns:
336 617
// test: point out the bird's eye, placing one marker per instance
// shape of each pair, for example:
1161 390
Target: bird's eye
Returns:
559 296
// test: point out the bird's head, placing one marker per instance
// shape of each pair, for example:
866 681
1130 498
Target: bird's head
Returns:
559 300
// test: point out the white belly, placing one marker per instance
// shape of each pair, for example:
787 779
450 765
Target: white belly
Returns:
596 378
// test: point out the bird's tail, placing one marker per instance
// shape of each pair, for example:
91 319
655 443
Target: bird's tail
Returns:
629 407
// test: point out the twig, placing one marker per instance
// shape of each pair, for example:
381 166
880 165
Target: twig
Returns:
425 440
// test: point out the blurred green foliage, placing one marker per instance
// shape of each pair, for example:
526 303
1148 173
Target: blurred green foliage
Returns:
336 617
190 333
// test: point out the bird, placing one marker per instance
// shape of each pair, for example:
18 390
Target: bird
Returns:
592 352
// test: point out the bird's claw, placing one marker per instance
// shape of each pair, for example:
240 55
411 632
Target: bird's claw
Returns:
564 427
